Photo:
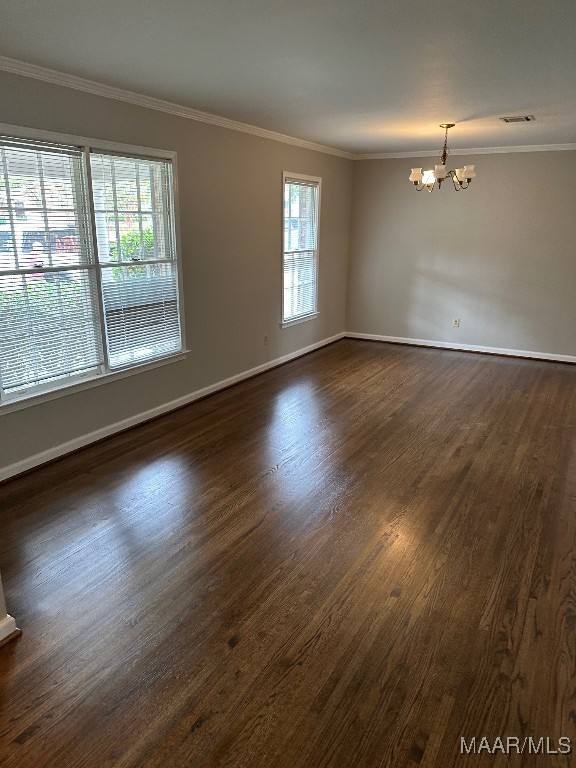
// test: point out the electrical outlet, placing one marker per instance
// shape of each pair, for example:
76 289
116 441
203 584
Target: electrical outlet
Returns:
265 341
456 322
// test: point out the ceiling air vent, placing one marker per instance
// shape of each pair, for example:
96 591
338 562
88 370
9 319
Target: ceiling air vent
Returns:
518 119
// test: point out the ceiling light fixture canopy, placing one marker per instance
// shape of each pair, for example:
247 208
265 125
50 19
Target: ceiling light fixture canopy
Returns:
461 177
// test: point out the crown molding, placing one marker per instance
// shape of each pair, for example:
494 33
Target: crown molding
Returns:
471 151
35 71
17 67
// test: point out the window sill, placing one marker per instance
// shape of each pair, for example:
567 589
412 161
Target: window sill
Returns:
9 406
296 321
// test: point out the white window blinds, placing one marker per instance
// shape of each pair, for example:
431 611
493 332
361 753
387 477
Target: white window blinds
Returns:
133 211
49 329
300 263
69 310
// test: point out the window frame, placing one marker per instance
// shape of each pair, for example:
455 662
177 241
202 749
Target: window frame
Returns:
34 395
297 177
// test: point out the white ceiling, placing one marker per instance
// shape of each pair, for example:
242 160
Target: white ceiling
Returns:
365 76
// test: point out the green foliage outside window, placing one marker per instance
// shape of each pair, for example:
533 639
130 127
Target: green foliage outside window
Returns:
132 248
47 307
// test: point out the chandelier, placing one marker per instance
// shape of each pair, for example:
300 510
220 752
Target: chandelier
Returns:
461 177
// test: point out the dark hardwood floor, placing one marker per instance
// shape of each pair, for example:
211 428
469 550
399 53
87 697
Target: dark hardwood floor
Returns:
353 560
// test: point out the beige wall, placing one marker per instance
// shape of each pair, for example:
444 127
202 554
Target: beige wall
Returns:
230 212
501 256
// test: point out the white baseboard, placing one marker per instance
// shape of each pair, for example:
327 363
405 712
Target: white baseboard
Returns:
463 347
7 627
73 445
80 442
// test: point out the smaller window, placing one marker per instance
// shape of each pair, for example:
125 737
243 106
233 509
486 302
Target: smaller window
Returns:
300 254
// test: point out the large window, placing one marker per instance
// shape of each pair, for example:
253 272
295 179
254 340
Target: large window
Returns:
88 269
300 261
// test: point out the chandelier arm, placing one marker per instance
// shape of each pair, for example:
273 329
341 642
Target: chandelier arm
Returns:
455 181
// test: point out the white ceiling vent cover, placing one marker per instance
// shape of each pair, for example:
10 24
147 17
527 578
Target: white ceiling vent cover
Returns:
518 119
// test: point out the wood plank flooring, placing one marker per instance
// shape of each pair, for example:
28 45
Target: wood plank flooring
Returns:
351 561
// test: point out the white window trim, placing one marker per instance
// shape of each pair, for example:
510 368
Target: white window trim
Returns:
304 319
317 180
82 383
87 382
